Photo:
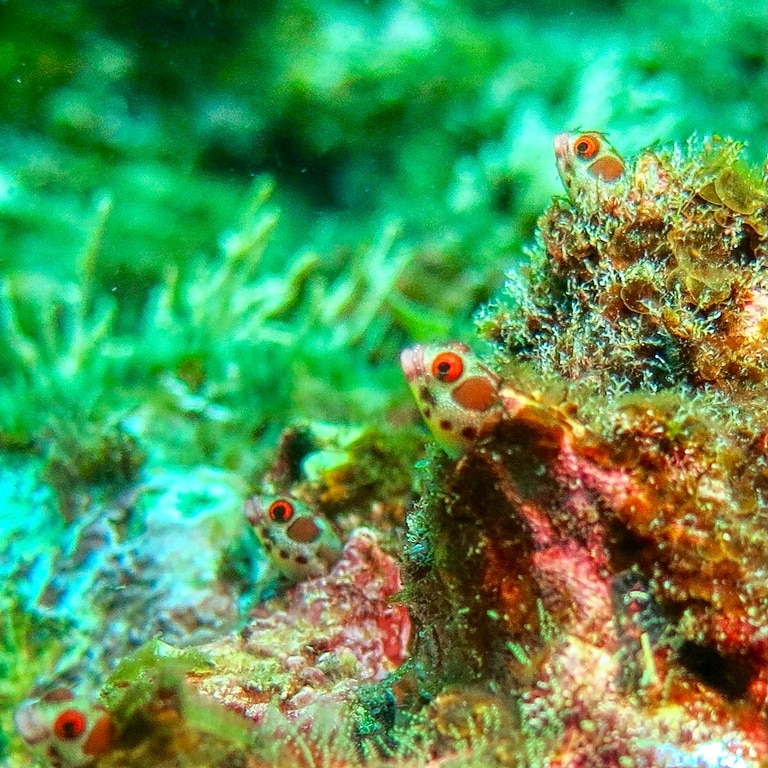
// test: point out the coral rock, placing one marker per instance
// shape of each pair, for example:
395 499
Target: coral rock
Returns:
319 642
599 549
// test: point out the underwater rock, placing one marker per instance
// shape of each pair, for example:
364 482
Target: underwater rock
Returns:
274 693
136 564
318 642
598 553
647 285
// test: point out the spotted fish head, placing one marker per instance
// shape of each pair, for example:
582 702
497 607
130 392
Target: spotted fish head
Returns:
65 731
298 541
587 163
454 391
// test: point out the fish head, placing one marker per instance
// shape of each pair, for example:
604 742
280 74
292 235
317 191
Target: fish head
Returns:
586 161
299 542
66 731
454 391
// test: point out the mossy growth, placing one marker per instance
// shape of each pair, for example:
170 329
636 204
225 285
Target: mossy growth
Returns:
379 471
373 717
135 680
81 457
659 285
352 475
448 643
159 718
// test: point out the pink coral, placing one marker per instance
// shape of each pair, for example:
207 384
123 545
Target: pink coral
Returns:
318 642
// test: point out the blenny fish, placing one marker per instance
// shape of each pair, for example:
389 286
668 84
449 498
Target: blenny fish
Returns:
300 543
587 163
454 391
65 731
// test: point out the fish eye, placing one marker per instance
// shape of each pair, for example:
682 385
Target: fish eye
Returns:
70 724
447 366
586 147
280 511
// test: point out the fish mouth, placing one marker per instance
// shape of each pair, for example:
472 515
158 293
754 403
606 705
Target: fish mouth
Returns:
29 724
412 362
562 144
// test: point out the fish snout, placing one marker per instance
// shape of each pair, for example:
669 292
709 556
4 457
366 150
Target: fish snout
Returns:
29 724
254 511
562 145
563 158
412 362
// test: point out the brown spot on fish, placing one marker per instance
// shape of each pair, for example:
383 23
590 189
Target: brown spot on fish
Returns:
446 425
426 396
100 738
608 168
475 394
57 694
303 530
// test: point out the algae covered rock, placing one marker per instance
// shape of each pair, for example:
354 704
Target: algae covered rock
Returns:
658 283
598 548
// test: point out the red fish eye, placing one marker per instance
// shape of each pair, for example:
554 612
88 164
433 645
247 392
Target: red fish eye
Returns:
447 366
280 511
586 147
70 724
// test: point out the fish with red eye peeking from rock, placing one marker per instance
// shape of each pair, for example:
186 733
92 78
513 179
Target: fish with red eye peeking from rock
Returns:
454 391
64 731
300 543
588 165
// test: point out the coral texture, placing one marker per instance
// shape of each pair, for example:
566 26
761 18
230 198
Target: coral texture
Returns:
326 637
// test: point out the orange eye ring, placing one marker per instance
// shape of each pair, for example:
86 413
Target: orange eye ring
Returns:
447 366
280 511
586 146
70 724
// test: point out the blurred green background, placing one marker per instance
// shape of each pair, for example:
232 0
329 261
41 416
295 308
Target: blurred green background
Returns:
407 147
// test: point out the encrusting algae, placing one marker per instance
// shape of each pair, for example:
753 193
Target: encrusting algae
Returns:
585 578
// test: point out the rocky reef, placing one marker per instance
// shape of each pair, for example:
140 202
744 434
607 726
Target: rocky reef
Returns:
600 547
226 539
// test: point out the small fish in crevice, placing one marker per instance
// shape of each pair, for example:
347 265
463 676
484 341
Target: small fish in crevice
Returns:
588 164
299 542
65 731
454 391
